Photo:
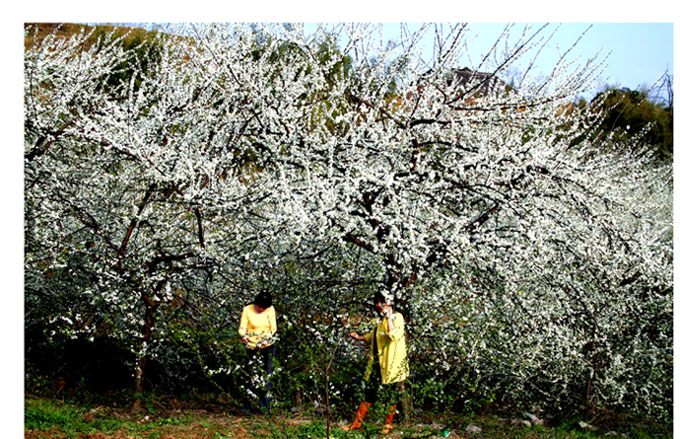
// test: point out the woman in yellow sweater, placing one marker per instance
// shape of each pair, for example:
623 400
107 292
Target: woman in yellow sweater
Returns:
257 330
387 366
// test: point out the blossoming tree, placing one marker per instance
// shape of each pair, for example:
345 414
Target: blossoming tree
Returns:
531 263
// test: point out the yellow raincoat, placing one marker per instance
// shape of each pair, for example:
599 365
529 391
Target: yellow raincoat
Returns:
391 348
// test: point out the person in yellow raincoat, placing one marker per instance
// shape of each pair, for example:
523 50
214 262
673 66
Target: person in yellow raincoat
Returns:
387 368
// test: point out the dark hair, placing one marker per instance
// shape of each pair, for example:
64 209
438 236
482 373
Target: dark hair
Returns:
263 300
378 297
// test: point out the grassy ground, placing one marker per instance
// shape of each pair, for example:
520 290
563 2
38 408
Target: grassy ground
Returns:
175 419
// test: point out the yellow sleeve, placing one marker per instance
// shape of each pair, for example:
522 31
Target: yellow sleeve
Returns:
243 326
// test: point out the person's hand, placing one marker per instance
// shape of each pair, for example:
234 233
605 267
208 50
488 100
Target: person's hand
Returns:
355 336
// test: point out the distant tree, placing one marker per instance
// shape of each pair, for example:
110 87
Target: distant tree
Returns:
632 117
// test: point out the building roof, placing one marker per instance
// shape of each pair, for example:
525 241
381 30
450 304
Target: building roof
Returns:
476 83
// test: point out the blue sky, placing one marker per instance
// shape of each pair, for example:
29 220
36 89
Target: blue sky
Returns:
636 55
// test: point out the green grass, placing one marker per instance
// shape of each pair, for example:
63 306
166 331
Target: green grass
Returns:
71 420
44 414
157 418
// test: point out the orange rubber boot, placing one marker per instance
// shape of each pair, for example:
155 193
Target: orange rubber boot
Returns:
388 420
359 418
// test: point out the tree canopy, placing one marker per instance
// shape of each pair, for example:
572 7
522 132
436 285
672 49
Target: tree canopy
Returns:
166 184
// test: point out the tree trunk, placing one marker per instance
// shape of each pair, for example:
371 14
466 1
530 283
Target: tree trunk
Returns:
149 322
